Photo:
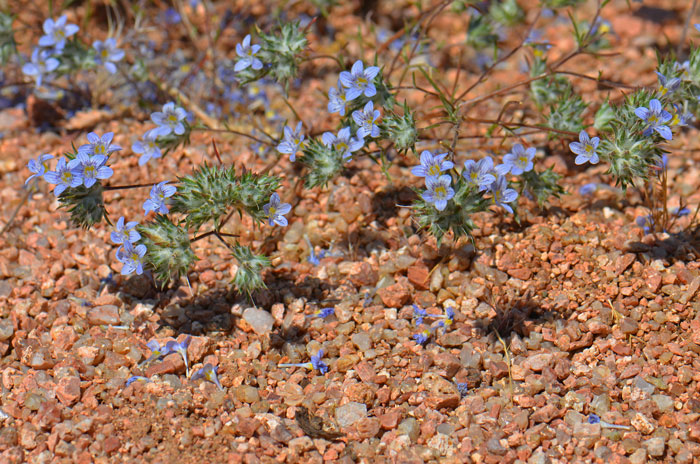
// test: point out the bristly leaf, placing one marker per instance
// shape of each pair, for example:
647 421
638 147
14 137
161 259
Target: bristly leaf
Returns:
400 129
456 216
324 163
212 191
169 253
86 206
248 277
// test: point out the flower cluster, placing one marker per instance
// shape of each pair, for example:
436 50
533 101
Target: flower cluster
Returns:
444 321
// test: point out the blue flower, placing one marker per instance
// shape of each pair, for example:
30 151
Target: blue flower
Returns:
679 117
275 210
656 117
645 222
136 378
588 189
479 173
593 419
125 233
367 119
680 212
147 147
41 64
337 100
64 177
159 193
517 161
431 165
56 33
323 313
667 85
292 142
422 337
419 314
439 191
463 389
502 195
683 69
90 168
157 352
247 52
108 54
38 167
181 348
343 143
314 258
315 363
448 318
99 145
131 257
359 81
169 120
208 372
585 148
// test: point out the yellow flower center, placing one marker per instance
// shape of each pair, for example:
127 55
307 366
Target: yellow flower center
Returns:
523 159
104 53
434 170
172 117
441 191
474 176
361 81
100 149
653 119
589 148
342 146
66 177
89 171
273 210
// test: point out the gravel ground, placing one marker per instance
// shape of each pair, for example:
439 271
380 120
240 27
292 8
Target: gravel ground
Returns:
571 312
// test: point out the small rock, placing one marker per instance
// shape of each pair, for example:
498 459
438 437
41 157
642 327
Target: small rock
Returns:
111 444
68 390
390 420
629 326
6 329
663 402
197 348
642 424
362 341
410 427
655 446
586 430
260 320
538 362
103 315
395 295
545 414
418 275
494 446
639 456
300 445
349 413
643 385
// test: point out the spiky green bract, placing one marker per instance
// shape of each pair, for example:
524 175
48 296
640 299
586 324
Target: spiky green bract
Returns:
212 191
400 129
456 216
541 185
566 113
8 45
685 97
604 116
173 141
248 277
85 205
324 163
629 153
280 54
507 12
169 253
75 56
560 3
549 90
